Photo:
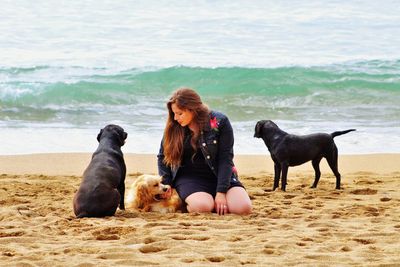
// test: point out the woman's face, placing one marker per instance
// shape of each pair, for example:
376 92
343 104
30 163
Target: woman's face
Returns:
183 116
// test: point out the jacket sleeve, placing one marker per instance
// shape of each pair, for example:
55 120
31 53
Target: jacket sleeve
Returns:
225 155
163 169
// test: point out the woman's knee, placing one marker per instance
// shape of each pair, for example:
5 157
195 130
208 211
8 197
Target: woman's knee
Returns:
201 207
200 202
239 201
241 209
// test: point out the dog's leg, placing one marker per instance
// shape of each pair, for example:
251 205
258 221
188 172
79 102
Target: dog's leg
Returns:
121 186
278 169
285 168
315 164
333 164
109 207
121 190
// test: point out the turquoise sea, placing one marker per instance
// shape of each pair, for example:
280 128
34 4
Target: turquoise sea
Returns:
69 68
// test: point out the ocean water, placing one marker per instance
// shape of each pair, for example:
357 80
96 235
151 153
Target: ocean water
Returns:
68 69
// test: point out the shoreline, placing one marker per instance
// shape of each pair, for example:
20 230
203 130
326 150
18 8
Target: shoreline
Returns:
75 164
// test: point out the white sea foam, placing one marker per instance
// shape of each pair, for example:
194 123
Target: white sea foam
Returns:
64 138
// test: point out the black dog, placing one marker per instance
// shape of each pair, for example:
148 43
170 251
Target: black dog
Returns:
292 150
103 183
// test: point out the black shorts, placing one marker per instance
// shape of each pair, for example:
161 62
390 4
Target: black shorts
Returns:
186 189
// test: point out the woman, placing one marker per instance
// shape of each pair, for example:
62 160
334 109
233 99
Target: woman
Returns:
196 156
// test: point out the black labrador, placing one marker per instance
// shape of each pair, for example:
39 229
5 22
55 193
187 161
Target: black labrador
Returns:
292 150
103 183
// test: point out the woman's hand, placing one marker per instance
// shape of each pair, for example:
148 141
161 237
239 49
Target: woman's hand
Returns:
221 205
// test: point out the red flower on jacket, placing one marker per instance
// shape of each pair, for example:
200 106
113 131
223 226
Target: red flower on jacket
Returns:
214 124
234 170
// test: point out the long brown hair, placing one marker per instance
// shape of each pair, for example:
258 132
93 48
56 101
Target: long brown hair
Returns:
174 133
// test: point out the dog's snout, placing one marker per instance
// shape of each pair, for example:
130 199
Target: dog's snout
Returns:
165 188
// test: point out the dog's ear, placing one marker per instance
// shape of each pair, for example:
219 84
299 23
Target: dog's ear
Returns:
99 135
143 196
258 129
122 135
162 180
122 138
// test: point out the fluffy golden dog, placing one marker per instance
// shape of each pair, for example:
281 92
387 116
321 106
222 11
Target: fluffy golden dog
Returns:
145 194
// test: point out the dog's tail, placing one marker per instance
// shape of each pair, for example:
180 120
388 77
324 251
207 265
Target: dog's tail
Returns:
334 134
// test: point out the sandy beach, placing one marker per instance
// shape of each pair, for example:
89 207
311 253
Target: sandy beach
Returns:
356 226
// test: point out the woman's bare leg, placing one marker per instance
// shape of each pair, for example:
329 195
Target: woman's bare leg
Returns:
200 202
238 201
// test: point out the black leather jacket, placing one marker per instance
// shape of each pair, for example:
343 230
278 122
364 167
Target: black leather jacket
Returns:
216 144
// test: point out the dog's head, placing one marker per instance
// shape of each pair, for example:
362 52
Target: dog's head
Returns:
115 132
147 189
261 125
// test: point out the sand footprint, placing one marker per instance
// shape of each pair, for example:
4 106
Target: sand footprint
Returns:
197 238
216 258
364 191
200 238
368 182
364 241
12 234
261 194
385 199
179 237
273 213
235 238
152 248
150 239
345 249
154 224
325 258
308 207
187 224
9 253
245 262
371 211
269 249
106 237
188 260
112 233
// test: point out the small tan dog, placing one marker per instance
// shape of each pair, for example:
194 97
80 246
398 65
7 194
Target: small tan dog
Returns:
146 194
